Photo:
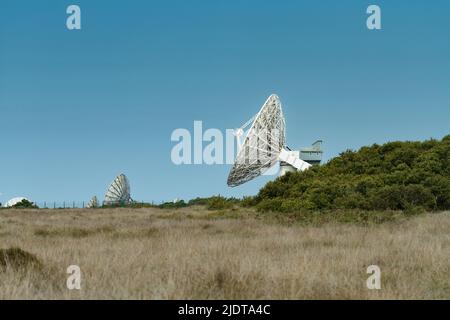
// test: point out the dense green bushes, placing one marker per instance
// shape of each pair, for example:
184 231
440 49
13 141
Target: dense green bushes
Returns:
215 202
393 176
25 204
212 203
173 205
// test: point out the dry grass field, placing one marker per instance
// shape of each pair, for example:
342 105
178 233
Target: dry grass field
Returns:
193 253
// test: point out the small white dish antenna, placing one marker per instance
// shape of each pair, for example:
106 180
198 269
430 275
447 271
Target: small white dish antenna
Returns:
118 192
93 203
14 201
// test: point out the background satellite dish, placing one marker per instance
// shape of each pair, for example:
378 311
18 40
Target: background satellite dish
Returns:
93 203
14 201
264 145
118 192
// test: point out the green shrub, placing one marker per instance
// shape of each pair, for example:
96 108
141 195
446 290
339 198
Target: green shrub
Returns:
408 176
198 202
18 260
25 204
173 205
270 205
248 202
219 203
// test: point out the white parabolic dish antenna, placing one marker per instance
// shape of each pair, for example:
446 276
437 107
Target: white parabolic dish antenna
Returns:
264 145
14 201
118 192
93 203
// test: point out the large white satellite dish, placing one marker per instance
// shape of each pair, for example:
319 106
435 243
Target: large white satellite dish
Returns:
118 192
264 145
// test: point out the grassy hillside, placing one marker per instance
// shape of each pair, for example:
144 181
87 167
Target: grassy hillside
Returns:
394 176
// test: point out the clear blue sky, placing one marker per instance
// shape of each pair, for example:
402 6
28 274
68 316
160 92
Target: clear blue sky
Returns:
79 107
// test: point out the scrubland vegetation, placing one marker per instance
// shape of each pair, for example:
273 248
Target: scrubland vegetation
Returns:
407 176
308 235
411 177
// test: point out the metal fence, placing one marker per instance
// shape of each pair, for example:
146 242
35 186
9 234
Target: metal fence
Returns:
61 204
76 204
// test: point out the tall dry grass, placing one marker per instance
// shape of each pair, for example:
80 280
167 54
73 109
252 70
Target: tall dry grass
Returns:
196 254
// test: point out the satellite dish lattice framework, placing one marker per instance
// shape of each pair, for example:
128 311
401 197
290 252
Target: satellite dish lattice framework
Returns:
93 203
264 145
118 192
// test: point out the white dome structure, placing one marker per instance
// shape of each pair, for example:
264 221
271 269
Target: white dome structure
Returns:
14 201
